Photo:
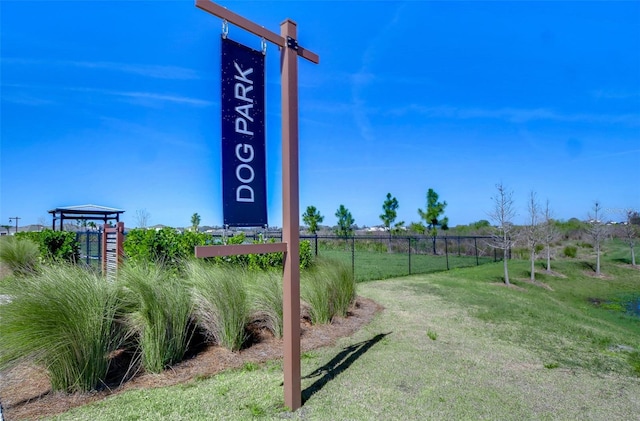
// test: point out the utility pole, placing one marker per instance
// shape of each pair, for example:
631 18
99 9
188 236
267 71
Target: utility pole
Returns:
16 218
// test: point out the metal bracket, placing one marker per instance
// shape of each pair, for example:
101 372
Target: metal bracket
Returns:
292 43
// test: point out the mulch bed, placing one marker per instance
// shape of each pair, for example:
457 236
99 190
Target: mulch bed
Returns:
25 391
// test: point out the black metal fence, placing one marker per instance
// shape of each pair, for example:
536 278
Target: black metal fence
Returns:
379 257
90 244
383 256
370 257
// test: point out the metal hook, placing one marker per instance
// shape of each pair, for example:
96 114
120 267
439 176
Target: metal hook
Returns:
263 45
225 29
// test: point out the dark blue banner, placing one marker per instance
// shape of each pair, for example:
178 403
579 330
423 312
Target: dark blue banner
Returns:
244 176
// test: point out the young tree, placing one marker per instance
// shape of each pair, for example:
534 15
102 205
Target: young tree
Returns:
630 232
195 222
597 230
532 230
388 217
142 218
549 233
312 218
417 227
502 215
345 222
389 211
432 215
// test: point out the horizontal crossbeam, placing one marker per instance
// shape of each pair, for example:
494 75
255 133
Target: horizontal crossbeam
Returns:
254 28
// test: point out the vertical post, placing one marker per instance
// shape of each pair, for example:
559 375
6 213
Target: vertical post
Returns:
475 246
353 256
409 255
99 236
290 224
446 250
105 231
86 236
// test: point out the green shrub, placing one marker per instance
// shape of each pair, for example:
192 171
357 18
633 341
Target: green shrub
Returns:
329 288
261 262
19 254
166 245
63 320
306 255
570 251
159 312
55 246
221 302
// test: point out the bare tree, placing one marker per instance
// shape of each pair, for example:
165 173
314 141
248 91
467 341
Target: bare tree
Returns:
549 233
597 230
502 215
142 218
532 230
630 232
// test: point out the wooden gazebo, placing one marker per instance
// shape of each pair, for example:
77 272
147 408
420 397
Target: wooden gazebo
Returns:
86 213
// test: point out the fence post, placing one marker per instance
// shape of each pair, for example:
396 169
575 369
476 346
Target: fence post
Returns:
446 251
409 255
316 244
475 245
100 234
353 256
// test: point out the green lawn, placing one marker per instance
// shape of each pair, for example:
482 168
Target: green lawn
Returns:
449 345
371 265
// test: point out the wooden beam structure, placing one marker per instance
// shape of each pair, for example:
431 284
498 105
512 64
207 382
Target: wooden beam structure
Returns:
290 50
254 28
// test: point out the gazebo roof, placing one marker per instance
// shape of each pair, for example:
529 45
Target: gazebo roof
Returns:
86 209
84 212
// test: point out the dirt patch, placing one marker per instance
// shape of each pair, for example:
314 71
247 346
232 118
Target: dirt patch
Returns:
595 275
535 282
629 266
25 391
551 273
511 285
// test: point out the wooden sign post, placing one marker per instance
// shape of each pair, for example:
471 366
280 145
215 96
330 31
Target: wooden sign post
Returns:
290 50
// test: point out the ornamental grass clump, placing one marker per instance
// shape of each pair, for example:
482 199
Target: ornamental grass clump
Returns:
221 302
63 319
265 292
20 255
159 310
329 289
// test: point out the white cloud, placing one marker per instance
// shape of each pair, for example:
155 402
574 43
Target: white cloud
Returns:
148 70
514 115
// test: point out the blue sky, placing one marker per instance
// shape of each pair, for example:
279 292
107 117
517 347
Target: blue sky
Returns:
116 103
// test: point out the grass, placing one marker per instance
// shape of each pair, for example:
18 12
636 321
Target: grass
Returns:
221 302
521 352
63 319
265 292
20 256
159 314
371 265
329 289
